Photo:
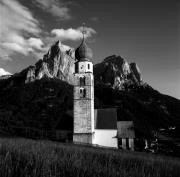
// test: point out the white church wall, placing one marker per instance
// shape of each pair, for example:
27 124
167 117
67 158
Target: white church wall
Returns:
105 138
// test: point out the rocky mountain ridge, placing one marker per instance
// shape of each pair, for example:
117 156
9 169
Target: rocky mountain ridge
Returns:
58 63
117 72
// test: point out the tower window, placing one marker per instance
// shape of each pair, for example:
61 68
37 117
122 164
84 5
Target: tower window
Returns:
127 143
88 66
82 81
82 92
76 68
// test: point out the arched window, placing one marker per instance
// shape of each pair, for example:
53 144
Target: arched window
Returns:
82 92
76 68
82 81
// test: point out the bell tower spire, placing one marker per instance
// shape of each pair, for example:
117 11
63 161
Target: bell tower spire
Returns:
83 31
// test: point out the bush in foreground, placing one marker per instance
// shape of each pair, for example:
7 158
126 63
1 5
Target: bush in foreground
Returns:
30 158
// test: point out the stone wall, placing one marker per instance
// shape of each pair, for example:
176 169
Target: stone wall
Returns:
83 116
83 138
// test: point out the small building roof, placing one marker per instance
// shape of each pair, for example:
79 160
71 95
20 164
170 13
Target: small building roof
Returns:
125 129
105 118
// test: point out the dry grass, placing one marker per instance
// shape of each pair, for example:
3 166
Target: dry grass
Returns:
30 158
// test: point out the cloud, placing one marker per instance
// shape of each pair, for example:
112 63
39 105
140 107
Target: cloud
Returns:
3 72
16 16
55 8
14 47
72 34
35 43
16 22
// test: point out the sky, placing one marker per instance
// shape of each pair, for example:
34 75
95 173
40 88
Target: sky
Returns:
143 31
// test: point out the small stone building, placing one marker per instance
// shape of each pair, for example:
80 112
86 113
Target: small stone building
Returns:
125 135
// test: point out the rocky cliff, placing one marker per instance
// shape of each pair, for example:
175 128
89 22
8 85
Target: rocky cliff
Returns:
58 63
117 72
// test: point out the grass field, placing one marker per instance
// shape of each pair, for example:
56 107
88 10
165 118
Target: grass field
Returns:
31 158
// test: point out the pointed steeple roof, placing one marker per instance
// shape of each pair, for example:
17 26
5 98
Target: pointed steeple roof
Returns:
83 52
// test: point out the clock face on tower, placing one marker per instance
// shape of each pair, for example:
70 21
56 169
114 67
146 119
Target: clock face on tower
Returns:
82 68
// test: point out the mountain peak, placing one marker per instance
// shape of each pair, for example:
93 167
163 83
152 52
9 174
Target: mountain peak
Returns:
117 72
58 62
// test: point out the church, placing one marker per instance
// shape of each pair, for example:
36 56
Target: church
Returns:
90 126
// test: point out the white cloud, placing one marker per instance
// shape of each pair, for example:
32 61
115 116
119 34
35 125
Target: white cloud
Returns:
16 21
55 8
72 34
16 16
14 47
35 43
3 72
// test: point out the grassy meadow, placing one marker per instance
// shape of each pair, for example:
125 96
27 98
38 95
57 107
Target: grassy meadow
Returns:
33 158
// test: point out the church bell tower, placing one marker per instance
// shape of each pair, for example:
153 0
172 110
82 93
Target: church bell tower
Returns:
83 95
